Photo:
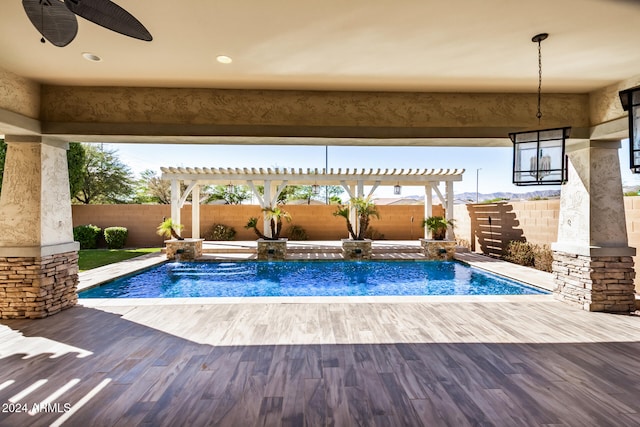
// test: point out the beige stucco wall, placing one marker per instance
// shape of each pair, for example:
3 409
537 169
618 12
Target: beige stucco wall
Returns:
64 106
34 204
19 95
604 104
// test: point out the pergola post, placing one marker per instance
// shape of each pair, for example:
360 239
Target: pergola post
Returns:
428 206
195 212
267 203
175 201
449 209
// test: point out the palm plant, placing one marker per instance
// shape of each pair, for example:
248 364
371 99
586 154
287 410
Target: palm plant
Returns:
274 215
438 226
168 229
365 209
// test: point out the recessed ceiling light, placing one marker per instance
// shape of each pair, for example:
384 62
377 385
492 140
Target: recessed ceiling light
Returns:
91 57
224 59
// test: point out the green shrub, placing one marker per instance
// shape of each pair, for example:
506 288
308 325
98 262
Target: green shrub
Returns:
220 232
519 252
296 232
87 236
116 237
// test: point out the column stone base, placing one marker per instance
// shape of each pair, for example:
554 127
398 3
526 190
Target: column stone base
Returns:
184 250
272 250
442 250
37 287
356 249
595 283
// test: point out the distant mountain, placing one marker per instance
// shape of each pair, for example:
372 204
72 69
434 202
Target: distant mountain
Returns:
544 194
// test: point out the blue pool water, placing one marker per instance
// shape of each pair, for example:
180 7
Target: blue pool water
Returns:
308 278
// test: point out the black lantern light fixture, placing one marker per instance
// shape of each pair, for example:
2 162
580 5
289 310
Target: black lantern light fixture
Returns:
630 99
397 189
315 189
539 155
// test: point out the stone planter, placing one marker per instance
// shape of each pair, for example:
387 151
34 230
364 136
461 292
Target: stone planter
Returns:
184 250
442 250
272 249
356 249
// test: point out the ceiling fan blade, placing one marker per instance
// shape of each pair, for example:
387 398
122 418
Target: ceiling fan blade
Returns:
53 20
109 15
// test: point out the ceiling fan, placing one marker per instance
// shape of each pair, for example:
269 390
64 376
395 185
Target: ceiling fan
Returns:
56 20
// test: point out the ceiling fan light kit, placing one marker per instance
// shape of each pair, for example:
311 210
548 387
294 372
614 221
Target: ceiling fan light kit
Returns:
56 20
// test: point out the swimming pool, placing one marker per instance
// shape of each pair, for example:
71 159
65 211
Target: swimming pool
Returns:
308 278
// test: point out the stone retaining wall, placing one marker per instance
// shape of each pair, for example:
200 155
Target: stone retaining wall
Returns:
596 283
36 287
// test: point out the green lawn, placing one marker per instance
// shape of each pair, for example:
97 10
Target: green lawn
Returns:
92 258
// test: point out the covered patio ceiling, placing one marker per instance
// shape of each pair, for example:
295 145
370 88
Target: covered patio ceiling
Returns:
410 73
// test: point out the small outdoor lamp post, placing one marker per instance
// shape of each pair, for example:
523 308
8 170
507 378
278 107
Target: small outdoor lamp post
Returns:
397 189
539 155
630 99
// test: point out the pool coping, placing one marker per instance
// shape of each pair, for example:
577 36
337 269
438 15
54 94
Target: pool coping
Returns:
97 276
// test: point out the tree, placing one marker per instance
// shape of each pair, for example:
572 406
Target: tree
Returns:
305 192
150 188
105 178
76 157
233 195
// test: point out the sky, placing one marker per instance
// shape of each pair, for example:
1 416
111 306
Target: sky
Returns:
491 165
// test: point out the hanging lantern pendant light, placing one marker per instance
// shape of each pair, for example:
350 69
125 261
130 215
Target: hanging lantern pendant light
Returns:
539 156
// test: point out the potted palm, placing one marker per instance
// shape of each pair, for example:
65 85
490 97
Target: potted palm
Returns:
177 246
169 229
438 247
438 226
271 247
357 246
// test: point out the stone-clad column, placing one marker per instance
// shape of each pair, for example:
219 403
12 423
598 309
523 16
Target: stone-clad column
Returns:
38 257
592 259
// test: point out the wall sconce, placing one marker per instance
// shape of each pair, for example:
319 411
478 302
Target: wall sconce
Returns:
630 99
539 155
397 189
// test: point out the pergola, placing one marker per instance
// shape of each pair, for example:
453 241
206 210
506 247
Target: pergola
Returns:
275 180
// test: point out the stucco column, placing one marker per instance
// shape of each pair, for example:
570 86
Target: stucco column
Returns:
38 257
592 259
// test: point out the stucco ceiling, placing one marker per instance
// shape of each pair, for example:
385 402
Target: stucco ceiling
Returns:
401 45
